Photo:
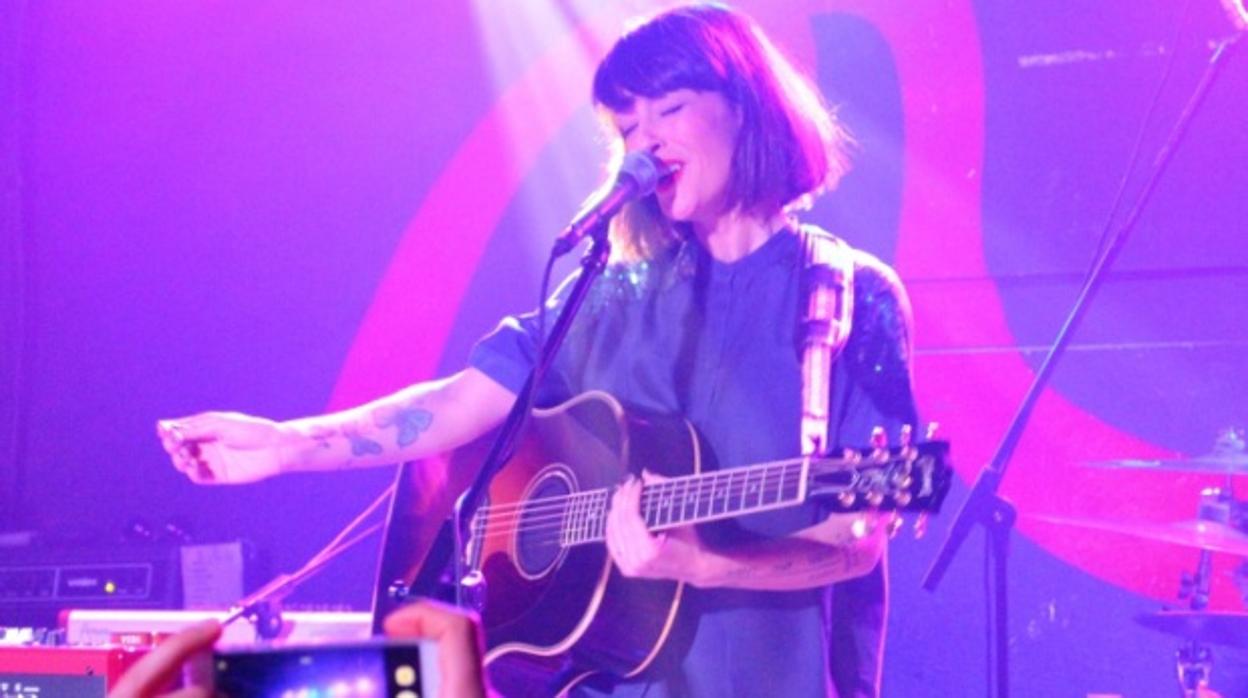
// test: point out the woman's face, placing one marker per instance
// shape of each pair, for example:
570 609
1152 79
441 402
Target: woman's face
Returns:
696 134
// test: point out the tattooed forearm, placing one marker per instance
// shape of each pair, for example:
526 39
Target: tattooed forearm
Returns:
323 437
360 444
409 422
797 565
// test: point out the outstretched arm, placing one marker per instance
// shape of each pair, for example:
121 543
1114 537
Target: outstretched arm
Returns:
418 421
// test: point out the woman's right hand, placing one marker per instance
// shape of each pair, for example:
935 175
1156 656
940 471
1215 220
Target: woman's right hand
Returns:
225 447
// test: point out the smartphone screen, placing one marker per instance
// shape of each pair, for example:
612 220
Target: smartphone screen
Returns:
370 669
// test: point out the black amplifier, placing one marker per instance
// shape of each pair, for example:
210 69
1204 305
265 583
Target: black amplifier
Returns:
37 582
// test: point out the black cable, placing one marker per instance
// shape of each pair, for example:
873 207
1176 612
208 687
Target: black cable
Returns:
1136 149
541 300
21 335
990 602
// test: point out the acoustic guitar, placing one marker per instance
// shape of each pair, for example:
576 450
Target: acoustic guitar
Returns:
555 610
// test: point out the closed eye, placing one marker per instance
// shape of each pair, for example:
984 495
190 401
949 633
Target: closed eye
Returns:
672 109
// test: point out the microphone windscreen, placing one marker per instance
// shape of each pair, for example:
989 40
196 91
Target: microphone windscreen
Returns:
644 169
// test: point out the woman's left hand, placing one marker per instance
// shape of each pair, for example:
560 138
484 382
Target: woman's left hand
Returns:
673 554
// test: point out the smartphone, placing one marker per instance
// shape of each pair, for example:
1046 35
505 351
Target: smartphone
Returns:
379 668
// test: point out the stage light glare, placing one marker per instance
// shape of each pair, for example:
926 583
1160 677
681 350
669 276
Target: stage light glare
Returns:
1237 11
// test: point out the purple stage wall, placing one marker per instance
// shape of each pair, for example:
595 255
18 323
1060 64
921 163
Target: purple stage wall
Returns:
283 207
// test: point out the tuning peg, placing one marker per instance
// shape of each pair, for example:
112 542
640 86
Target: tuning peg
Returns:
894 526
847 499
879 438
875 498
902 499
902 481
920 525
930 432
907 435
851 456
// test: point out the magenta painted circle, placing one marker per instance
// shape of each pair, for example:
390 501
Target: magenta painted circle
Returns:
936 50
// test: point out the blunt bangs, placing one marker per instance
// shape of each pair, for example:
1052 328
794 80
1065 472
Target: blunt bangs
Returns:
790 147
675 51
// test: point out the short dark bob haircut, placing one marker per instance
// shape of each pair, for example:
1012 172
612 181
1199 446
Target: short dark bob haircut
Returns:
790 148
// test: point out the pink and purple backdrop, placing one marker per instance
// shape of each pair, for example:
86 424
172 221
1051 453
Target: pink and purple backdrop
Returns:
285 207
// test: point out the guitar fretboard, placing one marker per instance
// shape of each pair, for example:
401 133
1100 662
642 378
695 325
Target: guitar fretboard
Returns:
691 499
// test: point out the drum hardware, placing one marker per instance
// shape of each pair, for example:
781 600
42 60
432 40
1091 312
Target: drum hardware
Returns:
1194 533
1193 667
1227 628
1229 457
1219 526
1199 630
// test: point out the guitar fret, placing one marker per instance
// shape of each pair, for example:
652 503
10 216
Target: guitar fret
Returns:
721 492
686 497
590 517
739 475
565 527
578 519
583 517
579 528
601 514
603 505
743 476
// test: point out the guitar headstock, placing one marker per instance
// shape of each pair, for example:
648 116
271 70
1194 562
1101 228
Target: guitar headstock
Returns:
908 477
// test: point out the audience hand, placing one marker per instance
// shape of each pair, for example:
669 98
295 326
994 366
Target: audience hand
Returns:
457 634
191 648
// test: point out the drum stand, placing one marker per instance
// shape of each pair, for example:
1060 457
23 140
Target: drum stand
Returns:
1194 663
1194 660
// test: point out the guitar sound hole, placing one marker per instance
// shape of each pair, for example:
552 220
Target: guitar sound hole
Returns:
538 540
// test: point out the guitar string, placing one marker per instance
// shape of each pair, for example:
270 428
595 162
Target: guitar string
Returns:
819 467
735 483
556 506
669 482
594 511
547 511
570 526
593 529
592 523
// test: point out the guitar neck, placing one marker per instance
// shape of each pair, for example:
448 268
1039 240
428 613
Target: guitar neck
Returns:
694 499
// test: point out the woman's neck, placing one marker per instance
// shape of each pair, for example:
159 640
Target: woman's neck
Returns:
734 235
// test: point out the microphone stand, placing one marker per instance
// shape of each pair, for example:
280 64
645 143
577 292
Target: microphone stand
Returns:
262 607
983 505
592 264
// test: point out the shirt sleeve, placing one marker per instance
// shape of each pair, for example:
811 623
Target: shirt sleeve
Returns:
509 352
874 381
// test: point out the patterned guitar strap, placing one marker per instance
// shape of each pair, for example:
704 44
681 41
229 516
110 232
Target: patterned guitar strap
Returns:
828 291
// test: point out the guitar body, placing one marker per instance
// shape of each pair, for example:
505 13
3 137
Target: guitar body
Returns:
553 614
556 610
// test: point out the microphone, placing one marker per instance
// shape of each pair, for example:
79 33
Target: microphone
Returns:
639 174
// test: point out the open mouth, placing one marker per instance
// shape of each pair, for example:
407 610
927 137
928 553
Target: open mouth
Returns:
672 173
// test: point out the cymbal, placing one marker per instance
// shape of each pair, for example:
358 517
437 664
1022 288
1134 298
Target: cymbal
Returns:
1206 535
1214 627
1214 464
